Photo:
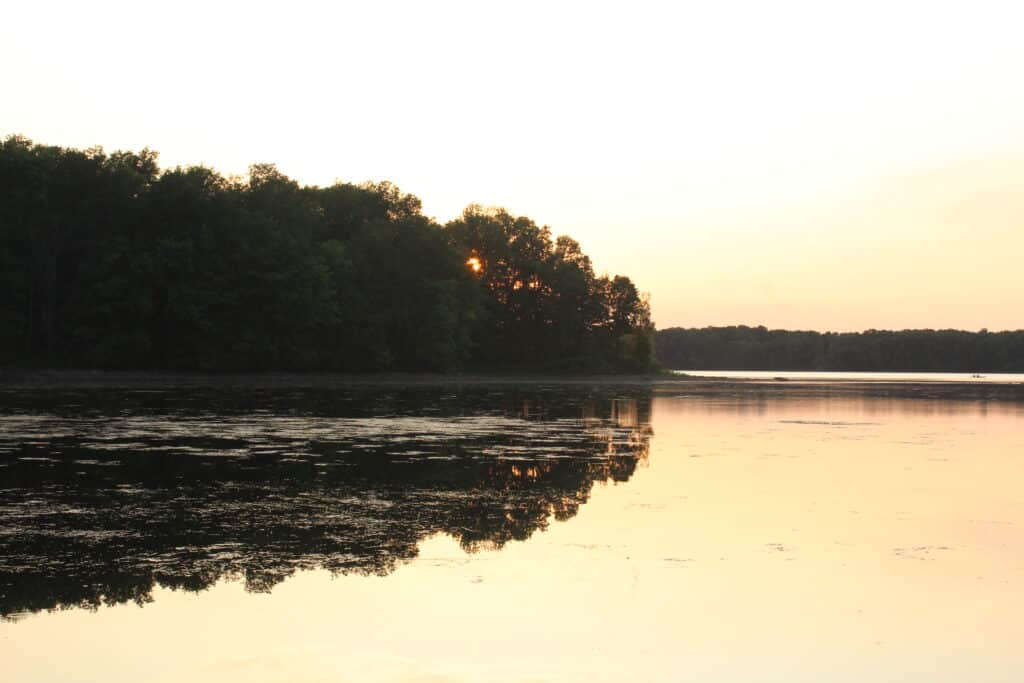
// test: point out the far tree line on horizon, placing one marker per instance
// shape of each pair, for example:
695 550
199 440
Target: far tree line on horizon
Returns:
107 261
758 348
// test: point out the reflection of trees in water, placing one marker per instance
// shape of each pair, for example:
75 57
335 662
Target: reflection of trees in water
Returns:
106 497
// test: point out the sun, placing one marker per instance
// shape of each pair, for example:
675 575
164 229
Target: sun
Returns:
474 264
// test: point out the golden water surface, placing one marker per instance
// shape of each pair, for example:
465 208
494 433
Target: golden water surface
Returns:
816 538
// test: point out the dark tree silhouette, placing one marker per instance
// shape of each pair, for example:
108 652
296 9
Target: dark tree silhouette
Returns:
544 301
108 262
758 348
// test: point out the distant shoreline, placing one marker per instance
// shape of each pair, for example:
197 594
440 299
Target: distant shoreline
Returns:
913 350
125 378
663 383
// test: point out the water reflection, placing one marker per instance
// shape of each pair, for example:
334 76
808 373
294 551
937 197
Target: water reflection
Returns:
800 534
108 494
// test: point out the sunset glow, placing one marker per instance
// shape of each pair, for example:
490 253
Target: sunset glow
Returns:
456 341
802 164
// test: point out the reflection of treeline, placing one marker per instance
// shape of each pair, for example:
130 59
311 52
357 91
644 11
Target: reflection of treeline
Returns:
106 261
758 348
97 513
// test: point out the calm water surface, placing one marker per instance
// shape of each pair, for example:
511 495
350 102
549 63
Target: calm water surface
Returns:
510 534
830 376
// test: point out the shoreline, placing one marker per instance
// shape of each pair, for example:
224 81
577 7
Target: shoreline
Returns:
662 383
314 379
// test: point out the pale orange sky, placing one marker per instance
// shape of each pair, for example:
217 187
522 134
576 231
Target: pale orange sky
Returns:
793 164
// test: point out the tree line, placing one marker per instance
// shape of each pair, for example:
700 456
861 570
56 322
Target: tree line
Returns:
108 261
758 348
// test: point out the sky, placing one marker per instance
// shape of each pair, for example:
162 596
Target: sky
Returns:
808 165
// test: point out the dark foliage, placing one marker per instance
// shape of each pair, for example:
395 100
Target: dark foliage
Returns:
108 262
758 348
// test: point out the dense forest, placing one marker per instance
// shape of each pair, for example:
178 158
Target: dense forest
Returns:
108 261
758 348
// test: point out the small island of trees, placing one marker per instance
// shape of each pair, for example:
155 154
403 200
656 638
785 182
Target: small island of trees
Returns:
108 261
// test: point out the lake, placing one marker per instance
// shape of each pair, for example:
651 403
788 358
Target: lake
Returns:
588 531
832 376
